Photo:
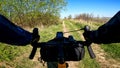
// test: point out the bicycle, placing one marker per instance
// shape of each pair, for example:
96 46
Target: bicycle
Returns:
61 49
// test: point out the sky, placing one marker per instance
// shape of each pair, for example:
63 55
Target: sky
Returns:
102 8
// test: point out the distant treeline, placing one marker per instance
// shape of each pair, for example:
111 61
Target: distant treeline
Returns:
89 17
32 12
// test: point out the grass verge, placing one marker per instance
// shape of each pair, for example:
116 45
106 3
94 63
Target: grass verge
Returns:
113 50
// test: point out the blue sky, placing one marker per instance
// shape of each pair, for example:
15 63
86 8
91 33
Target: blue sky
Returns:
106 8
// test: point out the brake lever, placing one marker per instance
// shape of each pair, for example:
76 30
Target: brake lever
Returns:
90 51
34 42
33 52
88 43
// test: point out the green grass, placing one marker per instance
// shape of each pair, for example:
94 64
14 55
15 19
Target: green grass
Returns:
71 26
87 62
113 50
8 55
8 52
49 32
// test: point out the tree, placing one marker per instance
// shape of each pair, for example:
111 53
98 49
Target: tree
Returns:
70 17
89 17
29 12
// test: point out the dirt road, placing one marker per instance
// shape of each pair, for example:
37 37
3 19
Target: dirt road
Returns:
72 64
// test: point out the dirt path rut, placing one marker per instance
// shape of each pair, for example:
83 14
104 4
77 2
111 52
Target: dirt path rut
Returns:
72 64
103 60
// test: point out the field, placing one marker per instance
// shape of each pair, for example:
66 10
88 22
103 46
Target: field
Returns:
17 56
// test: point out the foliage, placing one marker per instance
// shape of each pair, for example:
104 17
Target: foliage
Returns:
70 17
32 12
89 17
113 50
8 53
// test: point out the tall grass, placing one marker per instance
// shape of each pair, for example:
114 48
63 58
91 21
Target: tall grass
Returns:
8 52
113 50
49 32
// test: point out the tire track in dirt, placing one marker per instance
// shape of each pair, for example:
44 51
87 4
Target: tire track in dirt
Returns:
72 64
102 59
